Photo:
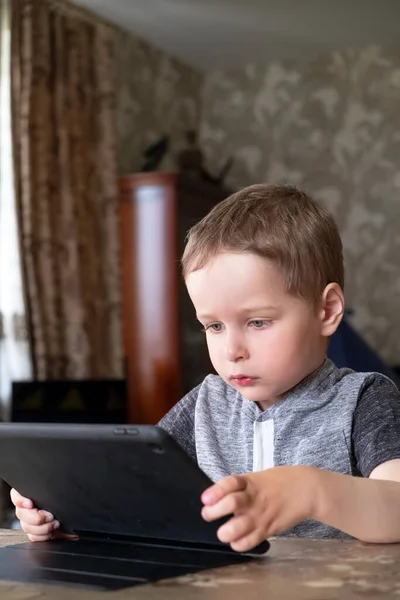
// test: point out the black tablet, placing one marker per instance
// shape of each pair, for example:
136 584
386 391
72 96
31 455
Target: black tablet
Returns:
130 484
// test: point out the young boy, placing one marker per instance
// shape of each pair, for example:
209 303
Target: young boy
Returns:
295 445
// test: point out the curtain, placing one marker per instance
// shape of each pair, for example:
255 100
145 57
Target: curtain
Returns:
65 164
15 359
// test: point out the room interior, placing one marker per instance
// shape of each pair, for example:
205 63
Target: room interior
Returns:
207 98
287 92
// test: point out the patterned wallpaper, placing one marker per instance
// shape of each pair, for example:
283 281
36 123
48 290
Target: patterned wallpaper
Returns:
156 95
333 127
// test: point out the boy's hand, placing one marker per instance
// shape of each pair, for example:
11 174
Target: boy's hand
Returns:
263 504
38 524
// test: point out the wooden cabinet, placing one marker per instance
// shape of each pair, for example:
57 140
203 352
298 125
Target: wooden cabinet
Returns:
165 349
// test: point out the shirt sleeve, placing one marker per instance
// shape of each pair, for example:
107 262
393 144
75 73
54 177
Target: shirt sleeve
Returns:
376 424
179 422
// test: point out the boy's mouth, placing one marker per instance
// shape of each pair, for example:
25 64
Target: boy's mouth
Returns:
242 380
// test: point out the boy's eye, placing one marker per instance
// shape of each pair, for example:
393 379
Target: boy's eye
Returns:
215 327
260 323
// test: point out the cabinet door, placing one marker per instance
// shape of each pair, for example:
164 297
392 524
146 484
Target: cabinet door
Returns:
150 304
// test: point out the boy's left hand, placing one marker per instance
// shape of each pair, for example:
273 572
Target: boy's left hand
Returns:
264 504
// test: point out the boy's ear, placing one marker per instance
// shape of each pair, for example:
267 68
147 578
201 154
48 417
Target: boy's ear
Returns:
332 309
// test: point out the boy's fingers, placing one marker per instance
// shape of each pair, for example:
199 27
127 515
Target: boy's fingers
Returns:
235 529
32 516
20 501
230 504
39 525
50 535
215 493
248 542
40 530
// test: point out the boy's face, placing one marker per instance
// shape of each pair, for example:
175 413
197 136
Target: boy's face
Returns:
262 341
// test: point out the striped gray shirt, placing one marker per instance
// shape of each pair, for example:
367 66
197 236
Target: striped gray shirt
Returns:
335 419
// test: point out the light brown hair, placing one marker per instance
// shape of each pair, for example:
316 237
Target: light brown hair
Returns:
276 222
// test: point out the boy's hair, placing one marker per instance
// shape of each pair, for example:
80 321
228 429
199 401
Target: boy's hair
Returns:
277 222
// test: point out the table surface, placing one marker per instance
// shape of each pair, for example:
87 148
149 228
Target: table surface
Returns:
294 569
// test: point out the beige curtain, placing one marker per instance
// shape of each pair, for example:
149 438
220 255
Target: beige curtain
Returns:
64 141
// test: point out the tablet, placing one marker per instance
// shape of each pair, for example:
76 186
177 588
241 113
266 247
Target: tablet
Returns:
130 484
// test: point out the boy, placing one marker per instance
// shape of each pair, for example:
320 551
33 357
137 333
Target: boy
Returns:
295 445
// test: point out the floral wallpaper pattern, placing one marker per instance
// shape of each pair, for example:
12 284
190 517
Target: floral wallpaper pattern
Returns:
156 95
331 126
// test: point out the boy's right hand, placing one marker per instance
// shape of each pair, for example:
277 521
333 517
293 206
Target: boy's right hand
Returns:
39 525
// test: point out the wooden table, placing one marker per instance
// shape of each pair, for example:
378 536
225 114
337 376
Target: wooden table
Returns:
295 569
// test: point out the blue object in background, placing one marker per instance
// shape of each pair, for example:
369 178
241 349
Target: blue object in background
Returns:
348 349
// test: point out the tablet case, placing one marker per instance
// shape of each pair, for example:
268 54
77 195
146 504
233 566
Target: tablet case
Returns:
130 492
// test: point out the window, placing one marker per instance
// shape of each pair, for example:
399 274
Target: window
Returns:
15 362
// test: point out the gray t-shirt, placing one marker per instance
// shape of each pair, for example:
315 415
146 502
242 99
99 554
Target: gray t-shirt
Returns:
335 419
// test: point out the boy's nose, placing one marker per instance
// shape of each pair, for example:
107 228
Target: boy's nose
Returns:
236 350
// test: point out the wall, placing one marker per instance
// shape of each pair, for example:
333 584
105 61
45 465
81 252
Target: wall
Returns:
333 127
156 95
